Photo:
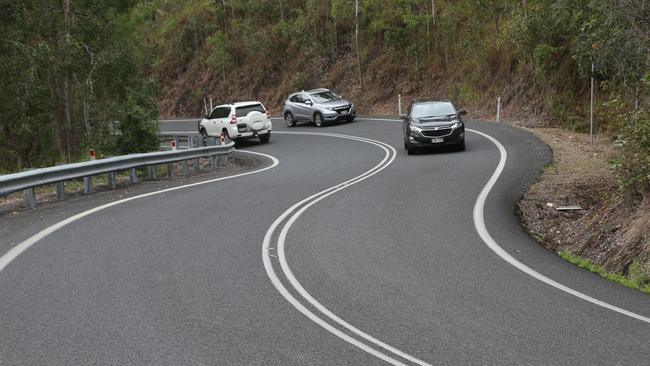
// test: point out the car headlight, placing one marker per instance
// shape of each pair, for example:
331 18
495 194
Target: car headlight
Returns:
415 130
457 124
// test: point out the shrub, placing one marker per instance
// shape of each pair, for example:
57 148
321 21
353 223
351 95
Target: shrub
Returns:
632 162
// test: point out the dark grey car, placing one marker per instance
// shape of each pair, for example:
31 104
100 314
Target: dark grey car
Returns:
318 106
433 122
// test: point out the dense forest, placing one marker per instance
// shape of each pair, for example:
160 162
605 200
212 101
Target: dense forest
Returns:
79 73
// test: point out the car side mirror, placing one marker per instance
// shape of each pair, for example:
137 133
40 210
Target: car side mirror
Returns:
403 116
308 102
462 113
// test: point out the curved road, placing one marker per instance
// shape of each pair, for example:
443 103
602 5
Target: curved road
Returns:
385 269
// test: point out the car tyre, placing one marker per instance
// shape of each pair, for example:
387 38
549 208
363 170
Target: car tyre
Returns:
461 146
265 138
289 119
410 150
318 119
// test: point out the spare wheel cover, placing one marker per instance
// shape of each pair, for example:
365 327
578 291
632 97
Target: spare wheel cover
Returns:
255 120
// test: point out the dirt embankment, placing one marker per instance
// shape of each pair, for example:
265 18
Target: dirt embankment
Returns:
609 230
182 90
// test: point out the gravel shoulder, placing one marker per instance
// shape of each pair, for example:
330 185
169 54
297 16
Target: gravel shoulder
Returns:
606 229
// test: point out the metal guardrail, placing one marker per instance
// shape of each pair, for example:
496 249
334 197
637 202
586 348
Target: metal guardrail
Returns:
28 180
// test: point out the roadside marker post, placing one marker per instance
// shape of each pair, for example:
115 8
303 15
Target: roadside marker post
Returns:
498 108
91 154
174 144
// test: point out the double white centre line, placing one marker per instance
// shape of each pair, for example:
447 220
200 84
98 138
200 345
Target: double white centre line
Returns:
326 319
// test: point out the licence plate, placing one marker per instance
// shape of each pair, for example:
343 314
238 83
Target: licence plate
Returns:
436 140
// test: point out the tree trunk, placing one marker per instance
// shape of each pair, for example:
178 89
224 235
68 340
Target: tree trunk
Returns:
56 89
356 38
68 90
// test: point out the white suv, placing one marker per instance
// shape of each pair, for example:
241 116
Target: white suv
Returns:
238 121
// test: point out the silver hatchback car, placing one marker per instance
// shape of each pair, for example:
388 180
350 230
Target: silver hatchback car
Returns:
319 106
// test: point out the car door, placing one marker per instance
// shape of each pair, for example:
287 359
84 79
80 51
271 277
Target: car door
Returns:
211 123
303 109
223 118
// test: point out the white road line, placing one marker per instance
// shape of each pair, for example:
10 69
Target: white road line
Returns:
14 252
479 224
311 200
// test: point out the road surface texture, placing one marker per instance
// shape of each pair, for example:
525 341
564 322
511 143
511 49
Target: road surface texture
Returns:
388 268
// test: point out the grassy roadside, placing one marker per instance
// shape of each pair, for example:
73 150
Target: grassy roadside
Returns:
609 235
637 277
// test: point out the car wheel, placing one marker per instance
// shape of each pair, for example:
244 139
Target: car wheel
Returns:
265 138
318 119
226 136
204 137
410 150
461 146
289 120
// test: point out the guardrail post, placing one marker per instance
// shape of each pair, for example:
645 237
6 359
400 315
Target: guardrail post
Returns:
196 164
88 185
151 171
111 180
134 175
30 199
213 162
60 191
170 170
185 168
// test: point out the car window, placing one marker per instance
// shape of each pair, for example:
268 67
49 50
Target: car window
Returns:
432 109
224 112
219 112
304 98
295 98
324 97
245 110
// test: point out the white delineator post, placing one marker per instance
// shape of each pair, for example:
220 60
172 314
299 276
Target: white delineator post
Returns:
498 108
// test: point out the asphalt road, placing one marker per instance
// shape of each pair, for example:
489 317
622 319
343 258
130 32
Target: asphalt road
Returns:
289 267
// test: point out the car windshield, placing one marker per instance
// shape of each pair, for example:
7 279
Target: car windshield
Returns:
324 97
432 110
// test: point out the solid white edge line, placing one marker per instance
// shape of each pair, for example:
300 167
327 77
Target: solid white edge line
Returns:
479 224
14 252
285 266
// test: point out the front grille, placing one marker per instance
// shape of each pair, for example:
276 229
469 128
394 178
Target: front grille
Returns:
436 133
343 111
